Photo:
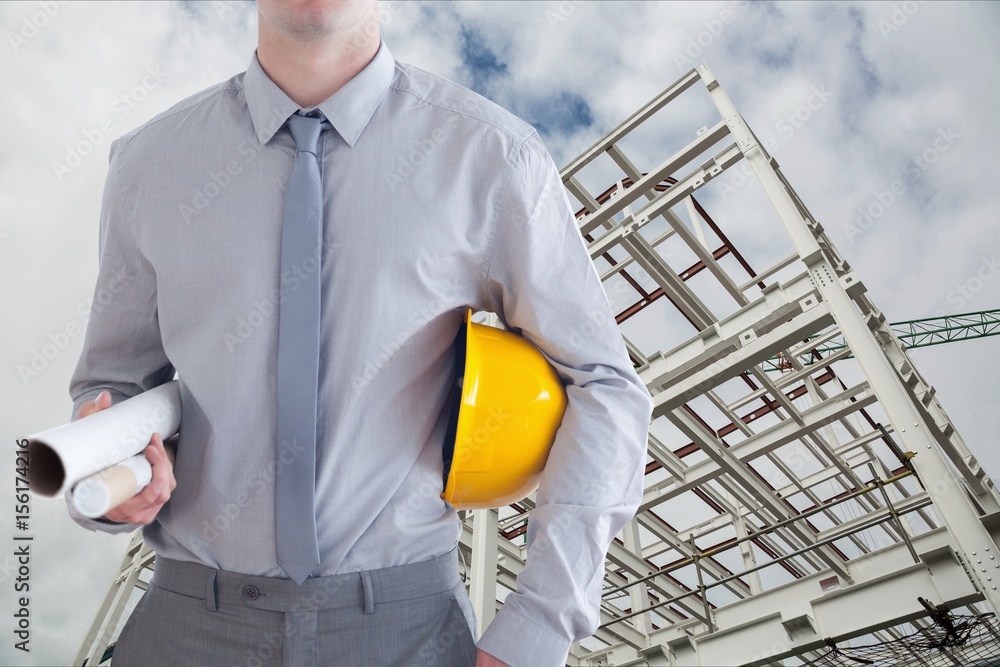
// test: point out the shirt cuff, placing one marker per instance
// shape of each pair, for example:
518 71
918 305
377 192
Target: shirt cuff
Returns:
519 642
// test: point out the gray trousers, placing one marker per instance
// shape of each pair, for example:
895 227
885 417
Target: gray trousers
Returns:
411 615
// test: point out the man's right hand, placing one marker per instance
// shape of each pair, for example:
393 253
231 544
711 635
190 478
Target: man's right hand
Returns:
142 507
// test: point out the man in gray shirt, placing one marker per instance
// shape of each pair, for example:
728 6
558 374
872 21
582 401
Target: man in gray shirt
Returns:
434 200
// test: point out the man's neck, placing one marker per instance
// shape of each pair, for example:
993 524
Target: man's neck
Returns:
309 71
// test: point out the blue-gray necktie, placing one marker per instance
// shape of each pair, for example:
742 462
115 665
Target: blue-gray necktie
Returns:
298 357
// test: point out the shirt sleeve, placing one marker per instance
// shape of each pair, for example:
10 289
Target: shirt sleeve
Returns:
542 283
122 349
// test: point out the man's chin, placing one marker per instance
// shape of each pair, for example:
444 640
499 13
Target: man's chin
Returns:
315 20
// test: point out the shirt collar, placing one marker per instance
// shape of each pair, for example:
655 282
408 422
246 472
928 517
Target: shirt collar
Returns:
348 110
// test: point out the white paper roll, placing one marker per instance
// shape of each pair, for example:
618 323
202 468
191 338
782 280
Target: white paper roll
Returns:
94 496
60 457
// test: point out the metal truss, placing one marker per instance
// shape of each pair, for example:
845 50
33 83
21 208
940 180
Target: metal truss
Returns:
915 333
132 577
785 504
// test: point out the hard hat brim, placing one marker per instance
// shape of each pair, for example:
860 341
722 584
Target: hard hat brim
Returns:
506 404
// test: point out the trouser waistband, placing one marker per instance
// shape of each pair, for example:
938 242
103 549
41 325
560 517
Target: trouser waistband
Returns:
355 589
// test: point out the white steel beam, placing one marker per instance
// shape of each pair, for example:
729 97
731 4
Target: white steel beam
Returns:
912 426
647 183
802 614
695 241
483 581
689 79
685 187
137 558
737 470
638 595
732 357
671 541
761 443
635 567
780 302
511 565
686 300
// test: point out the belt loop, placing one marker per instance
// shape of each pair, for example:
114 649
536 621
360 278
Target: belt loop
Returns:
210 602
366 583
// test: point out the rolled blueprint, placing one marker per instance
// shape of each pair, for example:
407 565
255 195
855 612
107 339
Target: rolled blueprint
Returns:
93 496
62 456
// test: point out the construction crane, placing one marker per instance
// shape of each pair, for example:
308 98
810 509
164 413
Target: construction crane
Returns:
911 334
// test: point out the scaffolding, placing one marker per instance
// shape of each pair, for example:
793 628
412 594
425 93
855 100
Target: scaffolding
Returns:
805 492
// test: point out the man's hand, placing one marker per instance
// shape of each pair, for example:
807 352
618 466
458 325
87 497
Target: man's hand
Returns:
142 507
484 659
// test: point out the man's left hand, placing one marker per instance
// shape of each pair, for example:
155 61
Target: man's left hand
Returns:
486 660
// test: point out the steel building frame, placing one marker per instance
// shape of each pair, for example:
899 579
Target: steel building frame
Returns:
786 504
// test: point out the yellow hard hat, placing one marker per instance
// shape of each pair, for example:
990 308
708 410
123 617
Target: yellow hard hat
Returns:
507 404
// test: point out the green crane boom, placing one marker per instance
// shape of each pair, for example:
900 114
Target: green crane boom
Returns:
915 333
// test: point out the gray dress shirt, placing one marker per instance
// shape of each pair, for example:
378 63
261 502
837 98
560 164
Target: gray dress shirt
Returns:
435 200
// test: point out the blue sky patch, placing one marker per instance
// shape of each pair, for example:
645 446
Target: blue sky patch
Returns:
561 113
480 64
484 71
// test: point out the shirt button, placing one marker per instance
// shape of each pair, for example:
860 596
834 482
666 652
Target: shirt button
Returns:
251 593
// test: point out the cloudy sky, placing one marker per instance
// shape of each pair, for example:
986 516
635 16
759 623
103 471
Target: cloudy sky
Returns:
882 115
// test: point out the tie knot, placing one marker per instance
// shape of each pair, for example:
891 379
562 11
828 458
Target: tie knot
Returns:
305 131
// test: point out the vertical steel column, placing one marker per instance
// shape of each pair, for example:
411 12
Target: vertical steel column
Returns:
696 556
746 548
638 595
946 491
483 586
